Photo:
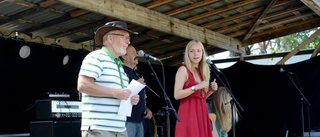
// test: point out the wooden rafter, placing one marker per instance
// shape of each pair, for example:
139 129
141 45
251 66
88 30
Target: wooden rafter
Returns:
219 10
190 7
44 40
285 30
146 17
258 20
157 3
274 23
48 3
268 16
316 50
217 22
313 4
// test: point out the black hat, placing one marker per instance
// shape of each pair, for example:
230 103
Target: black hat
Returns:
113 25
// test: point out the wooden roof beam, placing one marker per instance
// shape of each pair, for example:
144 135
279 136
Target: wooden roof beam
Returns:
316 51
157 3
279 13
289 29
154 20
190 7
44 40
48 3
78 13
313 5
246 13
274 23
233 17
219 10
258 20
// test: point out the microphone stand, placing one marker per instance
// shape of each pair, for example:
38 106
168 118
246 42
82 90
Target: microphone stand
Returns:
302 98
168 102
233 100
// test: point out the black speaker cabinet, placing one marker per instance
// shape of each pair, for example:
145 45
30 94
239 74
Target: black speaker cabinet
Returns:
55 128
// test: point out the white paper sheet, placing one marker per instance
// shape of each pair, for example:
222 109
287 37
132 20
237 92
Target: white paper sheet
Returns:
126 105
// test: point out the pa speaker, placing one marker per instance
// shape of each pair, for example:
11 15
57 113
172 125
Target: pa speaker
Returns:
55 128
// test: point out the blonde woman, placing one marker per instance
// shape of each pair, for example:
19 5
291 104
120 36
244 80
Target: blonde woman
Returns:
192 88
221 106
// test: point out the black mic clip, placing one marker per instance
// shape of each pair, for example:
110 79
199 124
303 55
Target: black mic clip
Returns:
213 66
284 71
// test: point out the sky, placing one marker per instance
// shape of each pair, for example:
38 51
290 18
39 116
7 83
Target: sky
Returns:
268 61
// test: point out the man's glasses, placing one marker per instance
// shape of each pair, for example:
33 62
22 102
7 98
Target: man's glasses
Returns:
123 36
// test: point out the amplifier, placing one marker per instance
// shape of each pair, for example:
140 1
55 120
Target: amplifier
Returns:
55 128
56 109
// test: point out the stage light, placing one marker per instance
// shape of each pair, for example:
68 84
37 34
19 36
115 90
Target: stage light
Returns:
24 51
65 59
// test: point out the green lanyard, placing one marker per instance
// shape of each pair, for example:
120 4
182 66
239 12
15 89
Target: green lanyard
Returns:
118 62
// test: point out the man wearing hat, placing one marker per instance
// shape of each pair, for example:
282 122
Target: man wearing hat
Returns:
103 83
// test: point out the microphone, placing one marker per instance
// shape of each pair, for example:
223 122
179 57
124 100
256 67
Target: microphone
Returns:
284 71
212 65
142 54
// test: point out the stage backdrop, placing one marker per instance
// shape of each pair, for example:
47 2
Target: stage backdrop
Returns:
271 102
25 80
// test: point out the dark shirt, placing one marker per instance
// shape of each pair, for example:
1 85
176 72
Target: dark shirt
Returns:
137 110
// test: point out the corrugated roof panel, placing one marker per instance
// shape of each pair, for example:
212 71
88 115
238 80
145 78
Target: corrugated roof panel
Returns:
44 32
140 2
163 8
9 9
11 26
34 1
94 16
197 11
179 3
70 24
64 8
70 37
42 16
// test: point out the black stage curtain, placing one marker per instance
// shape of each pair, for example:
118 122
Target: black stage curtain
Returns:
271 103
25 80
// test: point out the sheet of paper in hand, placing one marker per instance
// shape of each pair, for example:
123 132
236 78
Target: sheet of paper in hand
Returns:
126 105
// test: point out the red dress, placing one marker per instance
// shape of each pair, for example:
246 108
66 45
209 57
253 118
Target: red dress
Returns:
193 113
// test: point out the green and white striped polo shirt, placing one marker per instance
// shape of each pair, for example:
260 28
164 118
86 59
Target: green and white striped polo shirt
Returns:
101 112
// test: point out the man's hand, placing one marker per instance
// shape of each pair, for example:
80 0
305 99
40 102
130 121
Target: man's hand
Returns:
135 99
122 93
141 80
148 113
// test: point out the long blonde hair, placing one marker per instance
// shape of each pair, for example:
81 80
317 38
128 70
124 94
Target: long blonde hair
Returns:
221 106
203 66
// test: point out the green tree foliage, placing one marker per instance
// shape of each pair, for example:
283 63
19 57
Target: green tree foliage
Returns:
281 44
290 42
